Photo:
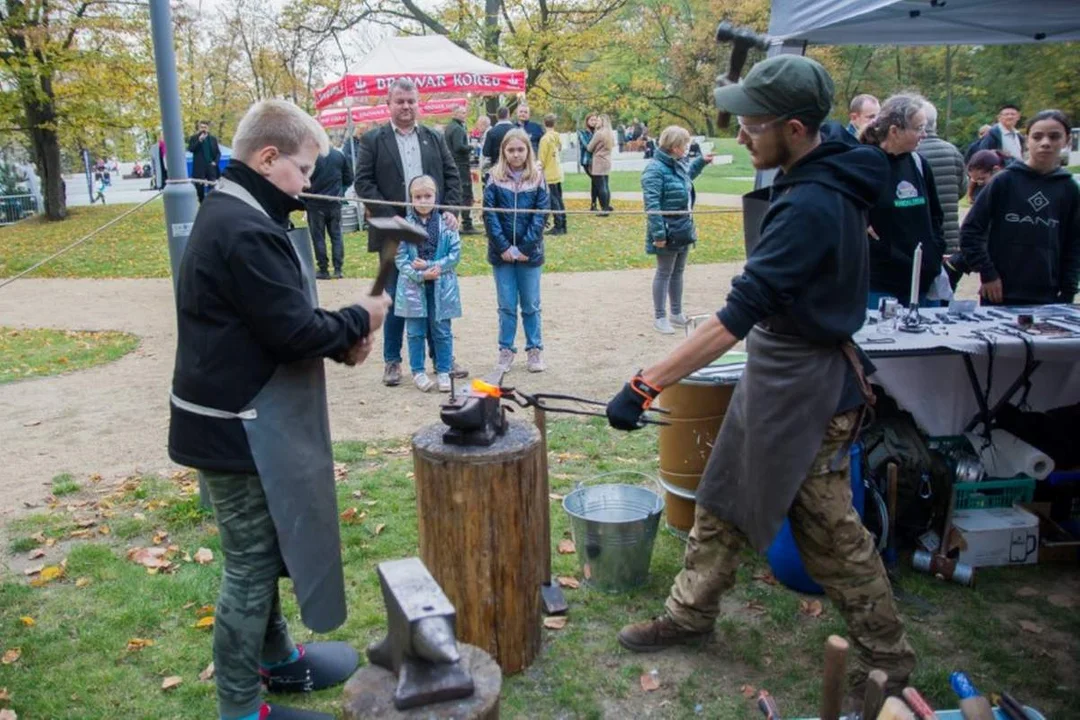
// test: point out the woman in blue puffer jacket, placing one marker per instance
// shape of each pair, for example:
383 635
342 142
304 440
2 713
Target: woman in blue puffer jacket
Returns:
516 246
668 185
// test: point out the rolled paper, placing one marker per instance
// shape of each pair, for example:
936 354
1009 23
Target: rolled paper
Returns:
916 269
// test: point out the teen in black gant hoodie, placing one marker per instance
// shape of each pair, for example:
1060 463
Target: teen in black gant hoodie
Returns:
1023 233
908 212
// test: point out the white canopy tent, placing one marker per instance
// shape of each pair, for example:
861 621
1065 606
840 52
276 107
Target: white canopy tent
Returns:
922 22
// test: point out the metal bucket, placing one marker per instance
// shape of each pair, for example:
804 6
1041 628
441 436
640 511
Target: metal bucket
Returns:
614 527
350 218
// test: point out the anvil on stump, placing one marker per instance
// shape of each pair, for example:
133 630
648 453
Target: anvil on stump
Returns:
419 669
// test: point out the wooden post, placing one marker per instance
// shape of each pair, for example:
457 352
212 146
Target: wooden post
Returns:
483 520
540 420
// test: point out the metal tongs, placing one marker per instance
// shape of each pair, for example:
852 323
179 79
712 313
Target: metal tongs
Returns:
539 400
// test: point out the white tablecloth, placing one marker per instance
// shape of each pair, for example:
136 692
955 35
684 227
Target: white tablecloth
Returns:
926 376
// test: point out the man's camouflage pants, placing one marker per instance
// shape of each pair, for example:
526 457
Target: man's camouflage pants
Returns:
248 625
837 551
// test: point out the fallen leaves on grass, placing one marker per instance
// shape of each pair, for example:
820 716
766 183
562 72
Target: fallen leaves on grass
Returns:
756 607
379 528
208 673
649 681
5 696
567 547
47 575
556 622
28 621
11 656
1031 627
7 714
152 558
569 582
82 582
1061 601
160 537
811 608
353 515
205 623
1026 591
33 569
38 537
748 691
136 644
555 496
341 472
204 610
204 556
170 682
36 553
766 577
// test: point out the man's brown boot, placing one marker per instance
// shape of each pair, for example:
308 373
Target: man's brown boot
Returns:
658 634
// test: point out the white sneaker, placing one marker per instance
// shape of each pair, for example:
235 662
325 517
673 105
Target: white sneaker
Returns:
444 382
679 320
663 326
423 382
535 360
506 359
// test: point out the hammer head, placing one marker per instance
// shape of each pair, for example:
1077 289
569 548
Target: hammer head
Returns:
726 32
389 233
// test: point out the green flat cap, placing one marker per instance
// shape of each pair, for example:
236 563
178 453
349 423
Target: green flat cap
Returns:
785 85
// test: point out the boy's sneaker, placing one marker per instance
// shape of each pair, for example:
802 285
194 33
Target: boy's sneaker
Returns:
534 360
444 382
663 326
423 382
392 374
506 359
679 320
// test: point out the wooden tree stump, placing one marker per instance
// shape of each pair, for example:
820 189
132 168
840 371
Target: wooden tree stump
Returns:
370 693
485 537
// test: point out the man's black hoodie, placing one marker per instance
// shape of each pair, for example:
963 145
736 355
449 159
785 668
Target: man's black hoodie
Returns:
1024 229
810 266
907 213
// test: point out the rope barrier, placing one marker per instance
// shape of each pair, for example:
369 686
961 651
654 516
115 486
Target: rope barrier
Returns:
334 198
481 208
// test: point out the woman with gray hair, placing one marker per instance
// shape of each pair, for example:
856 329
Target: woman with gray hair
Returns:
908 212
668 185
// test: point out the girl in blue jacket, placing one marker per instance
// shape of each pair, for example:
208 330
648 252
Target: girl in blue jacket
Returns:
427 292
516 246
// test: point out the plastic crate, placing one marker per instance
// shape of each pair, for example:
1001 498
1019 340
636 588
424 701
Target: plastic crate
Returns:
993 493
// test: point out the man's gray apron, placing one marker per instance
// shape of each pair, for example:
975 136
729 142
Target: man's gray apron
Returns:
288 428
773 429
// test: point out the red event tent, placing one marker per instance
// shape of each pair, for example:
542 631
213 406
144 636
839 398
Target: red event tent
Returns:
433 62
370 114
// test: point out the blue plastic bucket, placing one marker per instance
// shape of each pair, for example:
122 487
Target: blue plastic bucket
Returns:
784 558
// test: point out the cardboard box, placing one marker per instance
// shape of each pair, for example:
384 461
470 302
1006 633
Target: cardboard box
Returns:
997 536
1057 546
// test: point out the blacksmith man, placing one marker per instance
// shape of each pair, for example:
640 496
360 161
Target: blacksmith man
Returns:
783 448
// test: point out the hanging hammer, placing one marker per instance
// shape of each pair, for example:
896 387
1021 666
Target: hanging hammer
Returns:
389 233
742 40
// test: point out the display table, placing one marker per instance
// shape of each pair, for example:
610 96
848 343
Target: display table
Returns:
961 369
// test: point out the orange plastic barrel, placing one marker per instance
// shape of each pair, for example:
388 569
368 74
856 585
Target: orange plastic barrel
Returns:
697 406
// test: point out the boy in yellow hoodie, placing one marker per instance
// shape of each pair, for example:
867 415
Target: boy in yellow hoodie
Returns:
550 147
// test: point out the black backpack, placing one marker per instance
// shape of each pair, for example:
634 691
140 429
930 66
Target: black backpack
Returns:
925 476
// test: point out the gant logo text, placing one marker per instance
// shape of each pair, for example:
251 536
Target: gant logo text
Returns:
1031 220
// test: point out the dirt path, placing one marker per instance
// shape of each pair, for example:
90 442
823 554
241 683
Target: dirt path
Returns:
113 419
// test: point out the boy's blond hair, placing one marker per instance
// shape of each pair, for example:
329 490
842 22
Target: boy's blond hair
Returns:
278 123
501 171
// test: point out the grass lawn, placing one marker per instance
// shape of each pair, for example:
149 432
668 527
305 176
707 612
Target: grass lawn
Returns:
33 353
98 639
137 248
714 179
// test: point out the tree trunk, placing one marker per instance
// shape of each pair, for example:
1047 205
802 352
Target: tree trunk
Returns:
41 119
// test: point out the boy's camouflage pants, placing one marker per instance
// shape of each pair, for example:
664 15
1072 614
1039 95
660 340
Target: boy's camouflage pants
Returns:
248 625
837 551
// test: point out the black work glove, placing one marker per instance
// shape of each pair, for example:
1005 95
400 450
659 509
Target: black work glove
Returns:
626 408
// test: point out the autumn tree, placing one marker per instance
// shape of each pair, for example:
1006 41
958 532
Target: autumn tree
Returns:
72 73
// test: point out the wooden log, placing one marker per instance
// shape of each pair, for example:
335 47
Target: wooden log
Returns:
370 693
484 535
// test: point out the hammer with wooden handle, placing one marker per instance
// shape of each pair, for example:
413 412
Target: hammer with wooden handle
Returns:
389 233
874 696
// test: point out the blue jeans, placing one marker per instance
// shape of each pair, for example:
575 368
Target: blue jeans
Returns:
419 329
393 326
517 283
